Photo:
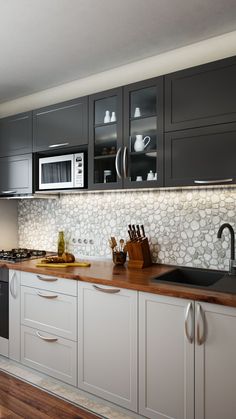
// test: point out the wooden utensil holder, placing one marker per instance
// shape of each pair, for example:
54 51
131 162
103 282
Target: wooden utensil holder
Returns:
139 254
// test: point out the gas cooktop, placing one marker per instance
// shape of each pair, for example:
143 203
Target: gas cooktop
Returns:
20 254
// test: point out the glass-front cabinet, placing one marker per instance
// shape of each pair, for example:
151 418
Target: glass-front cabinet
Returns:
143 134
126 137
105 140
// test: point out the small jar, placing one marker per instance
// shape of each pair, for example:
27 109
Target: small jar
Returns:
61 243
119 258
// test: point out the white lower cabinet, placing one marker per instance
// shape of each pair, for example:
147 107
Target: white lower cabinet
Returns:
215 362
166 357
14 314
108 343
50 354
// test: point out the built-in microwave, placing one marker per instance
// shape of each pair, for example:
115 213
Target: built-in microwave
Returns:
62 172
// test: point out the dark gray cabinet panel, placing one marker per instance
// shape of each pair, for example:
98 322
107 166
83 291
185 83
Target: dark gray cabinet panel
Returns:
61 125
16 134
16 175
201 156
201 96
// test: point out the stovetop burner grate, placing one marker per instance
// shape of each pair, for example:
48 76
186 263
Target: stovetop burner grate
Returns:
20 254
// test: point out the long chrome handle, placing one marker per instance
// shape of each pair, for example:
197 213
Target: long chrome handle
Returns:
212 182
8 192
107 290
46 295
125 163
117 163
200 337
189 312
12 290
47 279
46 338
58 145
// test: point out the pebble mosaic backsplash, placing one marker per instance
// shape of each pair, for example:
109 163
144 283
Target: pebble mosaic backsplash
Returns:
181 225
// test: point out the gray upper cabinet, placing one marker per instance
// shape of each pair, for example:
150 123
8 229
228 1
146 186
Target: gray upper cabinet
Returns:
201 156
201 96
61 125
16 134
16 175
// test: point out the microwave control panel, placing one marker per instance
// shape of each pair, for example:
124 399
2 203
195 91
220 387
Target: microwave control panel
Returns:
79 170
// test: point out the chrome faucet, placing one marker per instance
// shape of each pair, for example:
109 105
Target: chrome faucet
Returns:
232 262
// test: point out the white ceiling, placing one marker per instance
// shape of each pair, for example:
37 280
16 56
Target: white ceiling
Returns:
45 43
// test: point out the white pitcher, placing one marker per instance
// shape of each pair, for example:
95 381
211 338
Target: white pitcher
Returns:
140 144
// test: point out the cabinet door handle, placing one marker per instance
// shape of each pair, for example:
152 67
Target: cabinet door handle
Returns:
117 163
58 145
46 338
47 295
200 318
107 290
212 182
12 287
8 192
47 279
125 163
189 312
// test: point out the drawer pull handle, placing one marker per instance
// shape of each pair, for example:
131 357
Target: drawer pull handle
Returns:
45 338
47 279
212 182
58 145
107 290
47 295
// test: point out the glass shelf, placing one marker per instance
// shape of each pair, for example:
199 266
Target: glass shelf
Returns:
105 124
106 156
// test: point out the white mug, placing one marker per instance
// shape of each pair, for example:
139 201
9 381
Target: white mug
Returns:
139 178
140 144
106 174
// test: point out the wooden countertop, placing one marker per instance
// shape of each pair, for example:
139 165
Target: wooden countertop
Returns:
105 273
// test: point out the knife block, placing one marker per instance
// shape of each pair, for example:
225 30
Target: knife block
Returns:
139 254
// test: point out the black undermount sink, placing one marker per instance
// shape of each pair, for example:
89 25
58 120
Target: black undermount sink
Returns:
192 277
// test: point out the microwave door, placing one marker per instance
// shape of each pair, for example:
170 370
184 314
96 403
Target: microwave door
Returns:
56 172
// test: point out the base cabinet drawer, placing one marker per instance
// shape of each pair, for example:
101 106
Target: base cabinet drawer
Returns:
49 282
49 354
49 311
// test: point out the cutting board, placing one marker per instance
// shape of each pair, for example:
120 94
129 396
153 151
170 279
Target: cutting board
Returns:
63 265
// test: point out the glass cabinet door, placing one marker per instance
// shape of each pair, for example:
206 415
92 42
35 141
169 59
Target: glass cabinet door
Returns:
143 134
105 140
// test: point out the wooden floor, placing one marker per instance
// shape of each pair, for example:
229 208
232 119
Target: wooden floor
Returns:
21 400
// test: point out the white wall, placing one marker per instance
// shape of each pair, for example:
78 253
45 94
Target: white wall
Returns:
8 224
199 53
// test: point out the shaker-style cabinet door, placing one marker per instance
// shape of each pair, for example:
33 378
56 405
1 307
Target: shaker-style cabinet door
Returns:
201 96
16 175
105 140
107 343
61 126
142 162
201 156
215 366
166 357
16 134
